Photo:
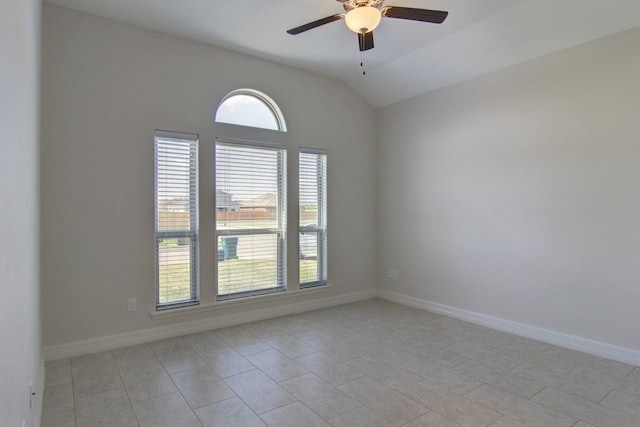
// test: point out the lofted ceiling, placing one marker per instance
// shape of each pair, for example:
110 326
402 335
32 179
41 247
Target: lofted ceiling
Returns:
409 58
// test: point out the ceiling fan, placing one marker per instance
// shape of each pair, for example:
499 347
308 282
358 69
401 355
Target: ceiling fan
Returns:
363 16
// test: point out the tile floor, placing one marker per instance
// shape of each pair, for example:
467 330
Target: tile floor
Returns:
372 363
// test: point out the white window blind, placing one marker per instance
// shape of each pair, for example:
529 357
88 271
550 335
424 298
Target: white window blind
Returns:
176 219
312 237
250 219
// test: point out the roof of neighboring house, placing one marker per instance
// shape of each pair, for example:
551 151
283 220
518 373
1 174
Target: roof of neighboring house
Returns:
264 200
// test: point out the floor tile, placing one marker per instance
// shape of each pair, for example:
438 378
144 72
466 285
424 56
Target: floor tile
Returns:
227 362
95 377
91 359
435 354
431 419
337 349
263 329
57 372
570 384
453 406
503 380
148 387
276 365
57 405
176 355
228 413
201 387
506 422
290 346
522 410
360 417
242 341
321 397
260 392
522 348
133 355
329 369
384 372
487 357
439 373
387 402
293 415
344 334
111 408
584 409
166 411
205 342
623 402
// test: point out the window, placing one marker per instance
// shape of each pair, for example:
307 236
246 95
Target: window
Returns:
248 107
313 217
250 219
176 219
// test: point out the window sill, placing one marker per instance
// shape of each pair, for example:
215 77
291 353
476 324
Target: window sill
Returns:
218 305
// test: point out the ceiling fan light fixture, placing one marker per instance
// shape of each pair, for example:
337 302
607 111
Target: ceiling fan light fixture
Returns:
363 19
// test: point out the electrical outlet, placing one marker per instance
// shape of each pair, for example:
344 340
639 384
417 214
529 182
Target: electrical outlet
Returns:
389 274
131 304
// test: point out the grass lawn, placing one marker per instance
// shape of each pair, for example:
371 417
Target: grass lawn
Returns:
234 275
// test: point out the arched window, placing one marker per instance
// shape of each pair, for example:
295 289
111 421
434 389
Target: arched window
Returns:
248 107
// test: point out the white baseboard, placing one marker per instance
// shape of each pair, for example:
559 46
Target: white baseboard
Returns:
596 348
112 342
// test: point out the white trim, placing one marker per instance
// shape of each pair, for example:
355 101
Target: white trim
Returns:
585 345
112 342
182 311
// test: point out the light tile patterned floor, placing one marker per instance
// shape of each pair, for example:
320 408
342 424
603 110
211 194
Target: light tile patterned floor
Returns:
372 363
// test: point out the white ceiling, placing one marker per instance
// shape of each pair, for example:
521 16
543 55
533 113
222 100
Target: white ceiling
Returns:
409 58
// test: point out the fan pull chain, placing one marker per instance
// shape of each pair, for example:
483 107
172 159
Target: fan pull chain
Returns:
364 68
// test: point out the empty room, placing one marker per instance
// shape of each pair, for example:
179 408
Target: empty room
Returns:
260 214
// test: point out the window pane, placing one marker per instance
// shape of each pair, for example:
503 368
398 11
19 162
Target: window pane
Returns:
309 256
313 217
175 273
247 187
246 110
176 218
250 218
247 262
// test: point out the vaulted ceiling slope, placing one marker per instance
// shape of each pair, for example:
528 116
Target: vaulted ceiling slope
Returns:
409 58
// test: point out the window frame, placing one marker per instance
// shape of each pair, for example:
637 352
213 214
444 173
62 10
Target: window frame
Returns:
192 234
281 227
321 227
264 99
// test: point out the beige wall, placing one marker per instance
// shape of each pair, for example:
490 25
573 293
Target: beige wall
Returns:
105 87
516 195
20 343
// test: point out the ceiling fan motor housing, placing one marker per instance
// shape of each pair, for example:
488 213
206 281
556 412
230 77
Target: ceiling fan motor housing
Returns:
352 4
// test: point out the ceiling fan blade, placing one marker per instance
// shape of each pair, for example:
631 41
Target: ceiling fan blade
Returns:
314 24
365 41
423 15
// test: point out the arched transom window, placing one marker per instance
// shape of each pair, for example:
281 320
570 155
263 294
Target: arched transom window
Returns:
249 107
